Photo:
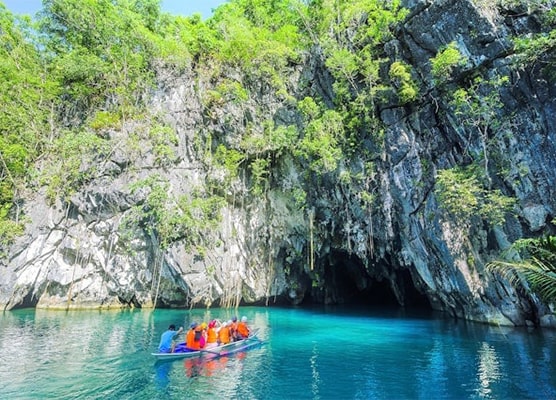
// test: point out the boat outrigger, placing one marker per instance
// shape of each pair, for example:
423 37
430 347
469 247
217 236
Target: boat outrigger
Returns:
218 351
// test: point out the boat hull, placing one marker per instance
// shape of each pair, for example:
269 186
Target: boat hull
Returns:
217 351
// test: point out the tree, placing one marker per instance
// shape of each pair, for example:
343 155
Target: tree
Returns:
539 48
532 259
478 109
461 193
101 50
27 98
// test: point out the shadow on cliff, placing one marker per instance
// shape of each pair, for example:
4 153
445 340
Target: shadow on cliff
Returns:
346 281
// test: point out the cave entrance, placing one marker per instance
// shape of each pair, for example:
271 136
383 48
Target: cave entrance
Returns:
346 281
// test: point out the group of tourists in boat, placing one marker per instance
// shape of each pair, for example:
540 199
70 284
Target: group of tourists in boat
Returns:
204 335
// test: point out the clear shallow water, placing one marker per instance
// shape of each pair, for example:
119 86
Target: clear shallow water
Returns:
313 354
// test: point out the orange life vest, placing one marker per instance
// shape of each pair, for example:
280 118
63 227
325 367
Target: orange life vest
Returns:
242 330
190 341
224 335
211 335
233 328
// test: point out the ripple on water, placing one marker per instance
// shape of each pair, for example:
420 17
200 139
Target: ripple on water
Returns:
307 355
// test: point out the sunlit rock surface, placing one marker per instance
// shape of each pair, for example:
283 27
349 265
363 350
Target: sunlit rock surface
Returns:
269 249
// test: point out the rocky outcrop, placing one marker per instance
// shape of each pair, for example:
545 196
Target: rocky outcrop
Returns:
404 250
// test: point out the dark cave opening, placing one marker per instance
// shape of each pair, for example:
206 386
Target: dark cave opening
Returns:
347 282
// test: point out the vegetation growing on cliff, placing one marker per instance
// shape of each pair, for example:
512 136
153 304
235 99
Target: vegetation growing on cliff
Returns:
463 195
539 48
533 260
169 218
86 68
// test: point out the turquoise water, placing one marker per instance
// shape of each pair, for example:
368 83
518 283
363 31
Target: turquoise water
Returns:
320 353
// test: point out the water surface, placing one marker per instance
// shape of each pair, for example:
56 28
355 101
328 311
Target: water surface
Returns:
319 353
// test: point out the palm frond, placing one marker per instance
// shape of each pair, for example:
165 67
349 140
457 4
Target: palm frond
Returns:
534 260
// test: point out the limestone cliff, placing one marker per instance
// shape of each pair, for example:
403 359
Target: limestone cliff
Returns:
332 247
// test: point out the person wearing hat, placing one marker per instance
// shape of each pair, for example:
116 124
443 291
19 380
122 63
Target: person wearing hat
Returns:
233 328
242 329
203 338
193 337
224 334
212 336
167 339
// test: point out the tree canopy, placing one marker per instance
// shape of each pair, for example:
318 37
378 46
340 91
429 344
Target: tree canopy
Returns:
87 65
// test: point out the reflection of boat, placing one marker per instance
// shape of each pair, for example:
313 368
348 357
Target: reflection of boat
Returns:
212 352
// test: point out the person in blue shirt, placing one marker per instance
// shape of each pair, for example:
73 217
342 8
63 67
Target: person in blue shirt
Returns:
167 343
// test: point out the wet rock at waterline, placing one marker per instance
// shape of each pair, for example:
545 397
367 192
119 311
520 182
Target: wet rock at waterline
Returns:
371 232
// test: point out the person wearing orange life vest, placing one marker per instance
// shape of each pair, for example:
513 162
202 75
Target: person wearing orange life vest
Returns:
193 337
242 329
233 328
224 334
212 336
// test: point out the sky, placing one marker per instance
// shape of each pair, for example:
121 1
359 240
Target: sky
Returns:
175 7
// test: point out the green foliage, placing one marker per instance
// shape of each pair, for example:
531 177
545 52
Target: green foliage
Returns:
77 160
320 143
401 77
259 175
27 99
101 48
370 21
300 197
308 108
228 90
367 199
343 65
445 61
533 259
477 109
259 36
105 120
91 65
163 139
538 48
460 192
229 158
352 36
479 104
9 229
188 37
273 139
190 217
14 158
233 91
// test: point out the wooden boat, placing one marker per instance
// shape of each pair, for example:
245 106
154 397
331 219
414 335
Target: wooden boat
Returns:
218 351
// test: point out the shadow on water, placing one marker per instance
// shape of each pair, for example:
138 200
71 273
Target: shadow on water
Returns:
162 369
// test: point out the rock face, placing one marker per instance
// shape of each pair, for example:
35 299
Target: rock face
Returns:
331 250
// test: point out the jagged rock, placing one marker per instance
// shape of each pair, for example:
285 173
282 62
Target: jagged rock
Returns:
271 249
